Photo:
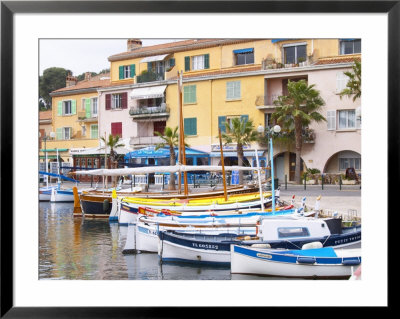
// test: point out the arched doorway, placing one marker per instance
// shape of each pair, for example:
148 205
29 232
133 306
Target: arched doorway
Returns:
340 161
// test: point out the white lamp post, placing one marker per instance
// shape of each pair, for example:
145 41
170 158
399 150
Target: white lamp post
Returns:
268 132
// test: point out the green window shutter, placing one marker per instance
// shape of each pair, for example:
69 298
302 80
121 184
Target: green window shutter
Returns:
206 61
59 133
121 72
221 123
88 108
190 126
59 108
171 62
133 70
149 66
189 94
94 131
244 118
187 63
73 106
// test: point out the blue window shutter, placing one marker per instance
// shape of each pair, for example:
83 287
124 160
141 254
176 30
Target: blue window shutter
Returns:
221 123
190 126
121 72
187 63
133 70
244 118
206 61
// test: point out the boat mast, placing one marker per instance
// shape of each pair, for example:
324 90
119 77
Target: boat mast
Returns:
105 158
223 164
259 182
182 153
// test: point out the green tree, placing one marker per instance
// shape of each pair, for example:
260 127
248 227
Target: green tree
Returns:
113 142
353 86
241 132
170 139
295 111
52 79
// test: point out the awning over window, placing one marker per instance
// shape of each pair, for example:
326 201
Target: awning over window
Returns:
150 92
243 50
278 40
234 154
153 58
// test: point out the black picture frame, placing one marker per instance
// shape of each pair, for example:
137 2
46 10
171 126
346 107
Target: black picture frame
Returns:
9 8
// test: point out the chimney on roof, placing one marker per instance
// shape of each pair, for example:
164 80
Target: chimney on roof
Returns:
134 44
88 76
70 80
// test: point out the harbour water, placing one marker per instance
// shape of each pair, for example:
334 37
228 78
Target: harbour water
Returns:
78 249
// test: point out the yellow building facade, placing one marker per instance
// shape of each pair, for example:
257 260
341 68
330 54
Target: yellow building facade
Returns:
75 117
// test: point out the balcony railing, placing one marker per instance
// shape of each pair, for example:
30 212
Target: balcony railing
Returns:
149 112
150 77
145 140
82 117
269 64
262 100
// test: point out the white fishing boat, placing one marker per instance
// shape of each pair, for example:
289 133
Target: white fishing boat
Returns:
322 263
56 193
277 232
143 234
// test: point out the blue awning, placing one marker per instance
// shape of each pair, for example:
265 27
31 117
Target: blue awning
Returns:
278 40
243 50
234 154
151 152
348 39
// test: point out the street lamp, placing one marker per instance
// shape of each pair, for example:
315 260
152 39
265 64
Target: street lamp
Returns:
268 133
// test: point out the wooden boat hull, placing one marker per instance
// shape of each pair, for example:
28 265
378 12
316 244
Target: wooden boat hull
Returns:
310 264
92 201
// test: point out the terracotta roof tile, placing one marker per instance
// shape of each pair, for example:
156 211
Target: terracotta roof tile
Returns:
338 59
45 115
219 72
184 45
94 82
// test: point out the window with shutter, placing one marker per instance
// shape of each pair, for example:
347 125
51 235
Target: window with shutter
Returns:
94 131
124 100
60 108
206 61
133 70
190 126
189 94
187 63
221 123
341 81
88 108
73 107
108 101
244 118
121 72
331 120
59 133
233 90
116 129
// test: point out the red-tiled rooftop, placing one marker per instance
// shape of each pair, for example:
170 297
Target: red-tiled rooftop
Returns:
45 115
220 72
94 82
176 46
339 59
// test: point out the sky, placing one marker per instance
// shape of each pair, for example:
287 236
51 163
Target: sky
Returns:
83 55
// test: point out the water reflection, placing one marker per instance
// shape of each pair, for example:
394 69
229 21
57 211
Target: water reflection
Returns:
79 248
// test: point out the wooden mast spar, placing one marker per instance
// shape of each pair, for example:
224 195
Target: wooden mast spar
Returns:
182 153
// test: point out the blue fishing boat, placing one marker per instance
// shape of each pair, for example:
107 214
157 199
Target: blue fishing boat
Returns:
55 193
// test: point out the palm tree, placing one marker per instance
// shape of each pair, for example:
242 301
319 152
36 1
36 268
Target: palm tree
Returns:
353 86
170 139
295 111
241 132
113 142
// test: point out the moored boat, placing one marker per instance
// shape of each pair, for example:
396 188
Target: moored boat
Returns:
278 232
321 263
